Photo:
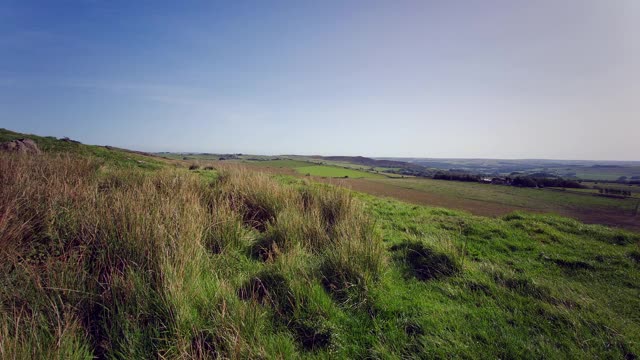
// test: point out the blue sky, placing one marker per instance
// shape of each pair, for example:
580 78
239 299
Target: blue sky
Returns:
497 79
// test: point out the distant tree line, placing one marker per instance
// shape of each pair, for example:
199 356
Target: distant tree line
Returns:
608 191
520 181
456 176
410 172
530 181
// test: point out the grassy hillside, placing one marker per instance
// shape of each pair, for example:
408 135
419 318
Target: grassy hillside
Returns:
299 164
101 259
113 156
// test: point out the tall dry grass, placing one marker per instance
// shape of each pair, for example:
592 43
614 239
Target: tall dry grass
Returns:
106 262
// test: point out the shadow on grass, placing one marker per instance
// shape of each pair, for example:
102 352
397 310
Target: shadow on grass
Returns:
272 289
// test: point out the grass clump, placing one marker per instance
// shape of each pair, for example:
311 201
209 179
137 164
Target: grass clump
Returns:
122 263
521 285
425 263
270 288
254 195
634 255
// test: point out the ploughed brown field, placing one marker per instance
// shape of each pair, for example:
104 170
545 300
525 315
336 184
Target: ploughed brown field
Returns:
610 216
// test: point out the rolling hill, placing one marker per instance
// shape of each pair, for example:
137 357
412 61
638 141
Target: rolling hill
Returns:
107 253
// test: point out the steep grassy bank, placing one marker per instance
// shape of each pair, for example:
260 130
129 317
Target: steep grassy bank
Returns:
110 261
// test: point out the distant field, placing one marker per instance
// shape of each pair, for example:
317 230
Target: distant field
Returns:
538 199
634 189
175 156
605 172
336 172
480 199
495 200
583 169
284 163
314 169
299 164
338 163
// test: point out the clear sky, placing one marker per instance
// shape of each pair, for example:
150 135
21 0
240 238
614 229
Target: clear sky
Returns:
555 79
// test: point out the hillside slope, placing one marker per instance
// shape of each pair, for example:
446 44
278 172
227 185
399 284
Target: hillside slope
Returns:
103 257
112 155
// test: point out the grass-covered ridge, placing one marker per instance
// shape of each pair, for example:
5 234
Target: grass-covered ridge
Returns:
101 259
109 155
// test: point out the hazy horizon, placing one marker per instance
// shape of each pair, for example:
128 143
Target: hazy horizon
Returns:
552 80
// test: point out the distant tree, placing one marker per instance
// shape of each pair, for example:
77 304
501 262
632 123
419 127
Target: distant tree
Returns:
523 181
456 176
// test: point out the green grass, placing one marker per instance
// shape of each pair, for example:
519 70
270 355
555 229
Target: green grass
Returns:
336 172
611 173
331 171
634 189
101 259
113 156
350 166
532 286
282 163
311 167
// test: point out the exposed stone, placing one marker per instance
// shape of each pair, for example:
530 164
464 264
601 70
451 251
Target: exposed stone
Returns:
21 146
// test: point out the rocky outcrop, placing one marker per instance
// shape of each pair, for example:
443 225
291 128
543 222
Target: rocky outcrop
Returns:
21 146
